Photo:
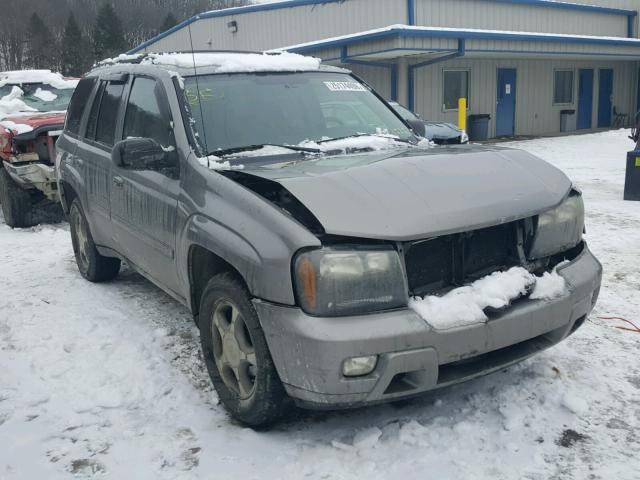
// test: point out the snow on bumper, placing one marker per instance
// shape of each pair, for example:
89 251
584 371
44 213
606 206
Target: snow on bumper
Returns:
412 356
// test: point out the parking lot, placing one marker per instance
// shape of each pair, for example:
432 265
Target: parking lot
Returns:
108 378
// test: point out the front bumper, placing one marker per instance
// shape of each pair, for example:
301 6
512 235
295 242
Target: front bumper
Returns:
35 175
308 352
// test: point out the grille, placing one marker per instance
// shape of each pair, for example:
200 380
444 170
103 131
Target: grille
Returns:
455 260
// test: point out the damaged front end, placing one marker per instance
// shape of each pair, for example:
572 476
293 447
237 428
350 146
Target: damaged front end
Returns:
29 158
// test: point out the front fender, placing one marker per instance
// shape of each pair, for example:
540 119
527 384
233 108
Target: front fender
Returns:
251 234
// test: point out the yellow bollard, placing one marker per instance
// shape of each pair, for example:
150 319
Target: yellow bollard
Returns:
462 114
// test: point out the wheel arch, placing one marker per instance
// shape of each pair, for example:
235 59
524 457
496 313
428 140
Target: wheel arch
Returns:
203 264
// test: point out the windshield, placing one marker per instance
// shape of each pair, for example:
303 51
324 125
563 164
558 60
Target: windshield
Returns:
41 97
233 111
404 112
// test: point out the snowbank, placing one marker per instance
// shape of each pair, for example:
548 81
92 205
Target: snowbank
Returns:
465 305
47 77
237 62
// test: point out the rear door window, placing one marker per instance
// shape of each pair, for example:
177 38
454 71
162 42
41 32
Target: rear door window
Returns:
78 103
108 114
92 122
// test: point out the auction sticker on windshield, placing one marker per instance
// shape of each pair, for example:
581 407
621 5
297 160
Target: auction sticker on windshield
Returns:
345 87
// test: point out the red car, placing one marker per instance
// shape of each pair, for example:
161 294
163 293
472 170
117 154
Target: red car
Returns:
33 105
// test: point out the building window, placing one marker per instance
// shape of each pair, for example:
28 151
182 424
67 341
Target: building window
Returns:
563 87
456 86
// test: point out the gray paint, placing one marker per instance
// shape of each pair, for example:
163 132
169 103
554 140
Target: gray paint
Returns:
155 220
406 343
423 194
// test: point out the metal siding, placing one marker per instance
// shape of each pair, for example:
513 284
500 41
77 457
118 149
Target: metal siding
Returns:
535 112
378 77
287 26
515 17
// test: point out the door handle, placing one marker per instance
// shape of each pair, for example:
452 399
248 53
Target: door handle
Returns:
118 181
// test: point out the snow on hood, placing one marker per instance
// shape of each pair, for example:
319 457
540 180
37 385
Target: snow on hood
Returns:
466 305
374 142
56 80
18 128
236 62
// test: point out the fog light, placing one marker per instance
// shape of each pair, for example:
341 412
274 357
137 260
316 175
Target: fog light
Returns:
359 366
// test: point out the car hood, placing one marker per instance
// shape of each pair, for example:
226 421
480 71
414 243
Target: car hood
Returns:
441 130
420 193
37 120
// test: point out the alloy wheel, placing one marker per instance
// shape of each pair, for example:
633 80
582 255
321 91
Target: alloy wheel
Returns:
233 349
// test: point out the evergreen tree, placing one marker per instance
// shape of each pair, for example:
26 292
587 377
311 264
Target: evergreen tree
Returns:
108 35
76 51
170 21
40 44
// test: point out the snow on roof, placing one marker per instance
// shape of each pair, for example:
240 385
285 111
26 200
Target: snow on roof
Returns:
47 77
224 62
461 33
236 62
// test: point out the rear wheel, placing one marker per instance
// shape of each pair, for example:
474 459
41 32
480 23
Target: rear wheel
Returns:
93 266
16 202
236 353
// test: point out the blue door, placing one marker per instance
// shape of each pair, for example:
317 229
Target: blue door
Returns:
605 92
585 99
506 106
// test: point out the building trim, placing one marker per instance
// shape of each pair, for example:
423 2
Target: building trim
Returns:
392 67
563 5
411 13
412 70
407 31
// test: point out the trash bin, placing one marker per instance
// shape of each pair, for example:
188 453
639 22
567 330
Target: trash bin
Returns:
568 120
479 127
632 178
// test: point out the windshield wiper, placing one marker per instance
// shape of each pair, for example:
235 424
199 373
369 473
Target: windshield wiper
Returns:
356 135
249 148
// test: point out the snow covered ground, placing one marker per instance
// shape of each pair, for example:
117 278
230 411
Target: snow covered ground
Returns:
106 380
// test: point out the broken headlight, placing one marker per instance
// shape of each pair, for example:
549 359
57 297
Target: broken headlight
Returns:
335 282
559 229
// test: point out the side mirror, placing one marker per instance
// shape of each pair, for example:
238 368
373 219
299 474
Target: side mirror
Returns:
139 154
417 126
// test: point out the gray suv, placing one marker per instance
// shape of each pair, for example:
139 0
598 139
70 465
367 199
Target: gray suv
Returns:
313 247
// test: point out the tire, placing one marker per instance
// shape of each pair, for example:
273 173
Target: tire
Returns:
16 202
92 266
244 375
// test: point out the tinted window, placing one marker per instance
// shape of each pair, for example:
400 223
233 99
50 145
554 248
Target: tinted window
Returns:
106 128
456 86
563 86
145 117
237 110
78 102
93 114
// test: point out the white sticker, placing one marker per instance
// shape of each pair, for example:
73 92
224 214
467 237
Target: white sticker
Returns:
345 87
508 89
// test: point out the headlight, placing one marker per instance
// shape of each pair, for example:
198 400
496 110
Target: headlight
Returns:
464 138
334 282
559 229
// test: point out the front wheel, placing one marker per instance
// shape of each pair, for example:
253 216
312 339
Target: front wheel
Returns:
16 202
92 266
236 353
